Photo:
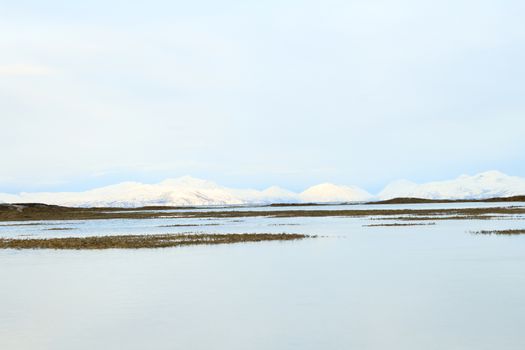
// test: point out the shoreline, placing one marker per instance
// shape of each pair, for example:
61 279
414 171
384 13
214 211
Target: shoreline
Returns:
43 212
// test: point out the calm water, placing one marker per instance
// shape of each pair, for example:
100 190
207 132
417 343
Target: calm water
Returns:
420 287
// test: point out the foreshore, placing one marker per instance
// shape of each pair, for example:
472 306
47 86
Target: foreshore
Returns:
42 212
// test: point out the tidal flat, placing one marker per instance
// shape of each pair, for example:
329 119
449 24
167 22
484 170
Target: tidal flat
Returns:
42 212
367 271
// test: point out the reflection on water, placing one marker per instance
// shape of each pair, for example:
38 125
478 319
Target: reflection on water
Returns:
357 287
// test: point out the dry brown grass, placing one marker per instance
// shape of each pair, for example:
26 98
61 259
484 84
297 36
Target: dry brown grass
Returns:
410 200
143 241
39 212
500 232
448 217
401 224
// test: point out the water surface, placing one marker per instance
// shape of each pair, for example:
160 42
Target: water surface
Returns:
356 287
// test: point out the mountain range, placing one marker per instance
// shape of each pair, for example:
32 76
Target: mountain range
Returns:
188 191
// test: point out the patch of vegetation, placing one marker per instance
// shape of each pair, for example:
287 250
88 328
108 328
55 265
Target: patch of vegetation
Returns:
301 204
284 224
41 212
434 218
144 241
28 224
188 225
59 229
500 232
410 200
400 224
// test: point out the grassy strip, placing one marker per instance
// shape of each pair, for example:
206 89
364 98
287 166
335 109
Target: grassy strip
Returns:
410 200
465 212
143 241
45 212
434 218
398 224
26 224
59 229
500 232
188 225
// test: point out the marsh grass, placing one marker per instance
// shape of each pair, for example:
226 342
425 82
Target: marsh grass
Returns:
291 224
41 212
401 224
500 232
24 224
144 241
446 217
411 200
189 225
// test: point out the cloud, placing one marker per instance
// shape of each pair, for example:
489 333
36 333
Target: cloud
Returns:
20 69
256 94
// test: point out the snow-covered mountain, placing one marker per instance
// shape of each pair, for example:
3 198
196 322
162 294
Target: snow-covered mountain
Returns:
485 185
186 191
328 192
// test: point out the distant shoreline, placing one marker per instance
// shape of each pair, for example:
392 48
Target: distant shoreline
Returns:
411 200
39 212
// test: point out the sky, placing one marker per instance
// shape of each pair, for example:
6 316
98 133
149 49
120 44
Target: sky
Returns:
259 93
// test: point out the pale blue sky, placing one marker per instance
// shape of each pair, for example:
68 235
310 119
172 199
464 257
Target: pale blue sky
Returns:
251 94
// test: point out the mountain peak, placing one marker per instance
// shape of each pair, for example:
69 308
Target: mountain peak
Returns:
492 174
188 190
488 184
328 192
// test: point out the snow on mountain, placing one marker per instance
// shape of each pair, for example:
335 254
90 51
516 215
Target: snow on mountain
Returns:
272 194
184 191
485 185
188 191
328 192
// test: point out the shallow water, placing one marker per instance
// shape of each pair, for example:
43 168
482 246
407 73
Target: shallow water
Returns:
355 287
354 206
